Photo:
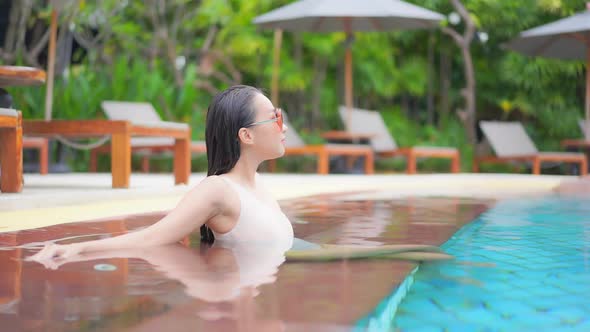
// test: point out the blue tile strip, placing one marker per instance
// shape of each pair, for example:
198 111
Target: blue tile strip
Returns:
381 317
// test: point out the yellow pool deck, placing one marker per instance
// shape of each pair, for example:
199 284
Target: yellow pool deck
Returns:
62 198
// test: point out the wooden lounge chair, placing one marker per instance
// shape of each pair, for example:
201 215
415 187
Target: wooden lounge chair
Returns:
11 151
139 113
579 144
42 145
371 122
294 145
511 143
120 133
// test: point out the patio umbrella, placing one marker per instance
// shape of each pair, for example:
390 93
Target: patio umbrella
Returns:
347 16
56 7
568 38
51 63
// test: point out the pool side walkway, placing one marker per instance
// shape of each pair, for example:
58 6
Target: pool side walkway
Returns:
62 198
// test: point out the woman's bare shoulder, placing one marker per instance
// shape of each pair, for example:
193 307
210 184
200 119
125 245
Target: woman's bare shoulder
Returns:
212 188
217 193
215 190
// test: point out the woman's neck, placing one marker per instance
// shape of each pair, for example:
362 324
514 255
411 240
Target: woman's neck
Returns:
245 171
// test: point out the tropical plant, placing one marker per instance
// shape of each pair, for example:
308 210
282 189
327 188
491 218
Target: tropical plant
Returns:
177 54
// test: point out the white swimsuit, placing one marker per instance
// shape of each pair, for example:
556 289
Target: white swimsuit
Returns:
259 224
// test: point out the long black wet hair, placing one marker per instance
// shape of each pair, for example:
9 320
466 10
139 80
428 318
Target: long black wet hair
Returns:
229 111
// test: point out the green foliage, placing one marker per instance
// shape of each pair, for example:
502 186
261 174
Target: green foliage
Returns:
390 70
545 94
78 96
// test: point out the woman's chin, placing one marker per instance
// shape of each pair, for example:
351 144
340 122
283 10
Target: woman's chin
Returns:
275 156
280 152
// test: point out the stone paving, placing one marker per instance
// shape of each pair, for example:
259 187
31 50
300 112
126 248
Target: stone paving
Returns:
60 198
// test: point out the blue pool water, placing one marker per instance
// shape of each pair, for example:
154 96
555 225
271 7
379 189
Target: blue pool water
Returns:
524 265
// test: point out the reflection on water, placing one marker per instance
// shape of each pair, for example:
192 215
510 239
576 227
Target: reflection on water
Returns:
192 287
217 285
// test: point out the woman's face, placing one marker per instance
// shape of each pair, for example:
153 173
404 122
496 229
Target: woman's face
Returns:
268 137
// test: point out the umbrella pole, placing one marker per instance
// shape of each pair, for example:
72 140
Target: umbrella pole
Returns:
50 65
588 90
348 81
274 89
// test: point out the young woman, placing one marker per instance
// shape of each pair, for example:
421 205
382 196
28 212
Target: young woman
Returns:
230 206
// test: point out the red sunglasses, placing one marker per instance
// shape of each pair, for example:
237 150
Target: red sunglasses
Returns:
278 119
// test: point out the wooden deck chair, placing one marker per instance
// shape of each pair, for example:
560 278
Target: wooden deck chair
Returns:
579 144
42 145
120 133
384 145
139 113
511 143
294 145
11 151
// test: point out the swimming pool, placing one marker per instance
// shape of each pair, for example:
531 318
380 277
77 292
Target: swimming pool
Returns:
187 287
523 265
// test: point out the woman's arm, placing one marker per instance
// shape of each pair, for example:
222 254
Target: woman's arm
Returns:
202 203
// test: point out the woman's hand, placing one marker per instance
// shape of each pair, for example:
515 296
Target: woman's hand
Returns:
53 255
